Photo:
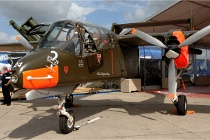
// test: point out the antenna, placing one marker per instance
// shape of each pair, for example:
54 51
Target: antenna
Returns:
191 11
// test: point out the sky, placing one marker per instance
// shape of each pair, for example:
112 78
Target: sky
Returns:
100 12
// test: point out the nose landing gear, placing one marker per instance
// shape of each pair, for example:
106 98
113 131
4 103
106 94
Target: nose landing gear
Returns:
69 101
66 124
66 118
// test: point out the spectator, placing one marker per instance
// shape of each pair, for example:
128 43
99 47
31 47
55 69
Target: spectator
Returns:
6 86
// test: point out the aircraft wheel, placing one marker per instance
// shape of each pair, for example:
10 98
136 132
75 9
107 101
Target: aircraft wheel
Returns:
66 125
69 101
182 105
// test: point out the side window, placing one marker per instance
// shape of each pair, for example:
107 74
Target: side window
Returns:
72 42
104 40
89 47
73 45
111 39
96 39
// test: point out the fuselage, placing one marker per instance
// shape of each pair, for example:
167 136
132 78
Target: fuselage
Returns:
66 56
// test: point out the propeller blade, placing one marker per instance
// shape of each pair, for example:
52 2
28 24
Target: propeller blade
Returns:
172 83
124 32
195 37
24 42
148 38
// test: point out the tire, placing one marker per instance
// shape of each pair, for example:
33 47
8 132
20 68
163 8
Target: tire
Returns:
65 126
69 101
182 105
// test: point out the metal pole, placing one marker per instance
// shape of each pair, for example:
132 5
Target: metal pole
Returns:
193 56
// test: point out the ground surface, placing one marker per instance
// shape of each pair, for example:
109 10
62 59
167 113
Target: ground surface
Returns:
137 115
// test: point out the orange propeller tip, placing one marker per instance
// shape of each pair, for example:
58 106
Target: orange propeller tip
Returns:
133 31
17 37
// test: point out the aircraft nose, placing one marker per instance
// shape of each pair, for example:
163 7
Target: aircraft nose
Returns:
40 78
14 77
35 72
17 77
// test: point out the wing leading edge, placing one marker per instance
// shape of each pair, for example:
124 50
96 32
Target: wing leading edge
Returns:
131 40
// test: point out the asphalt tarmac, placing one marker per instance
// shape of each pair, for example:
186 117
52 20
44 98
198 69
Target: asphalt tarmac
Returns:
136 115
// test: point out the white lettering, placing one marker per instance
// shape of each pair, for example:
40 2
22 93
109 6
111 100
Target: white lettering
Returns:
18 64
52 60
103 74
56 54
81 63
3 57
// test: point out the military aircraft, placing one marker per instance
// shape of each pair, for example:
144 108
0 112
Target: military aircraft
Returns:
74 52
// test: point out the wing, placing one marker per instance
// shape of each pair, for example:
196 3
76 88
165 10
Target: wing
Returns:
133 40
117 28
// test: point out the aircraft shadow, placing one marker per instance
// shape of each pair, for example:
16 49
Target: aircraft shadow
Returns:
43 123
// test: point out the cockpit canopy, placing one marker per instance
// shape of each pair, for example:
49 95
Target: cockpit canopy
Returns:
77 37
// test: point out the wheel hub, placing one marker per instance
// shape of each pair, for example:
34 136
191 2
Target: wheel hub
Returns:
70 122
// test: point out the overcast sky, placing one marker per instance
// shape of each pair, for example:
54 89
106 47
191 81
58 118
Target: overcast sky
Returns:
101 12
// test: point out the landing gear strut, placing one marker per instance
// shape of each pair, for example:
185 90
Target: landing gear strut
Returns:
181 104
69 101
66 118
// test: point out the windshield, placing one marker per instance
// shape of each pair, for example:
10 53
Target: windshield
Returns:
58 35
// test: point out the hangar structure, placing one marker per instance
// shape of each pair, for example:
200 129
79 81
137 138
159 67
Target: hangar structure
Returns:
182 15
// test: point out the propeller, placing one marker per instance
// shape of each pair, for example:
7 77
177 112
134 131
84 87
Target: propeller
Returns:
124 32
148 38
171 54
172 83
195 37
24 42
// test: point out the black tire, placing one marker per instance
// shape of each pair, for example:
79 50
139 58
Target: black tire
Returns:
64 125
182 105
69 101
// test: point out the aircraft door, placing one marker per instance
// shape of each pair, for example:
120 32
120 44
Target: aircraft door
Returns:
95 62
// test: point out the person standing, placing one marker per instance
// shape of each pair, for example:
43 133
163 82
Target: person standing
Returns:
6 86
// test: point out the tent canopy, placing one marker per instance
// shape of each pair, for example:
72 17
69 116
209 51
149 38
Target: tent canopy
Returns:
199 11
